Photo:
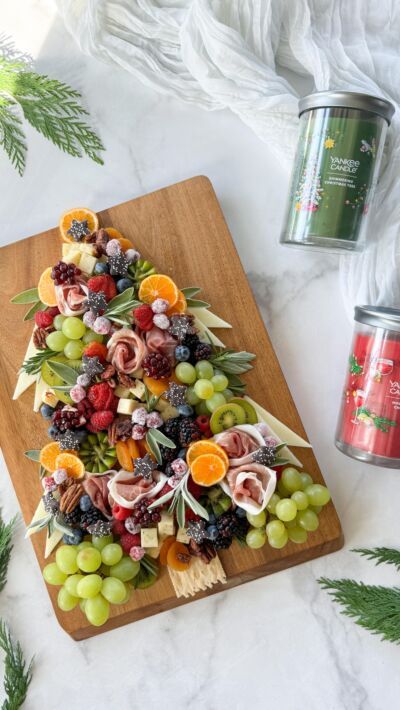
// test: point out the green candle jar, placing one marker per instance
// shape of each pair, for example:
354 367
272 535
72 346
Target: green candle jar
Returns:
339 151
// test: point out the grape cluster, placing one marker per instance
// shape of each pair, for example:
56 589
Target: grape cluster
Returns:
63 273
141 515
207 388
65 419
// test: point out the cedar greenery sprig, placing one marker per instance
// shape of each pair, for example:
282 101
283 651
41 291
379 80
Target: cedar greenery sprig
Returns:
17 674
374 607
6 546
50 106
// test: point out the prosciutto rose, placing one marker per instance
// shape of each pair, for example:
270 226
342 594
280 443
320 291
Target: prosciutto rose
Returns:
71 298
127 490
250 486
97 489
160 341
126 350
240 442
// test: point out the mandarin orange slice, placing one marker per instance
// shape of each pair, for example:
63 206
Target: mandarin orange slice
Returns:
46 288
178 557
205 446
72 463
180 306
158 286
48 455
116 234
208 469
80 214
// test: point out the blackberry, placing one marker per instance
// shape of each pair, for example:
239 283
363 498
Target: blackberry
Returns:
65 419
89 517
191 341
72 519
144 517
157 366
63 273
222 543
171 429
242 528
169 471
227 524
188 431
202 351
168 455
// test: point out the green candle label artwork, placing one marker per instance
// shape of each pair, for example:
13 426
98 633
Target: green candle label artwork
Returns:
333 174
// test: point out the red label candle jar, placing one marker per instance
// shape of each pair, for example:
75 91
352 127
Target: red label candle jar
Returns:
369 421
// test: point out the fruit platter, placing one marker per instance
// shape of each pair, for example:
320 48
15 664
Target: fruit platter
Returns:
156 462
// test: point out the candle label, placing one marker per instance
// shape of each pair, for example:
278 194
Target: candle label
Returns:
371 409
334 174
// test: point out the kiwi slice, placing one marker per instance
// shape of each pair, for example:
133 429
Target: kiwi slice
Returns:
97 454
250 412
52 379
227 416
144 579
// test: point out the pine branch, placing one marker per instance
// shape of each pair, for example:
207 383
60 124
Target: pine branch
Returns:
6 546
12 138
374 608
381 555
17 675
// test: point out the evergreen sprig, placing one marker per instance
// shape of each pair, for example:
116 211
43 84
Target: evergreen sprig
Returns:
6 546
50 106
373 607
17 674
33 365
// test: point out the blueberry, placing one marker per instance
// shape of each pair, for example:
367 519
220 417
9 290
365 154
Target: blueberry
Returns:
182 454
240 513
212 532
101 268
81 434
185 410
53 432
85 503
46 411
73 538
212 518
123 284
182 353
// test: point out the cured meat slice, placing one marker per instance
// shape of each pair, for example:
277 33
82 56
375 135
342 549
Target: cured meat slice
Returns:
160 341
71 297
127 490
97 489
250 486
126 350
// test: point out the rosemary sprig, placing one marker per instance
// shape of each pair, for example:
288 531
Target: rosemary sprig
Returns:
232 362
17 674
6 546
33 365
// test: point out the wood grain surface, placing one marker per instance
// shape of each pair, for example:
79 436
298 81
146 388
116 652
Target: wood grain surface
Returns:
182 230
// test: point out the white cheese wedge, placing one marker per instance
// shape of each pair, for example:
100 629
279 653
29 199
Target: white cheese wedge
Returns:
50 397
138 390
149 537
153 552
209 319
87 263
73 257
182 536
281 430
24 380
83 248
126 406
166 526
207 334
40 391
52 542
122 392
38 515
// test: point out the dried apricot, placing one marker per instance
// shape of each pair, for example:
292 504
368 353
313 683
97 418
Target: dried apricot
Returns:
178 557
164 549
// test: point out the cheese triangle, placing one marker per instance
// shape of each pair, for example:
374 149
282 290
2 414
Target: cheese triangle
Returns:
209 319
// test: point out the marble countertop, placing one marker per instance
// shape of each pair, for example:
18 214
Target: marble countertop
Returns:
279 640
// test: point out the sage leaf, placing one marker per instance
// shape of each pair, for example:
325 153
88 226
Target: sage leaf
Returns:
68 374
39 306
31 295
33 454
190 291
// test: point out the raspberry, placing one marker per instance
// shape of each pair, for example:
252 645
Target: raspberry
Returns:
157 366
102 396
203 422
120 513
118 527
53 310
144 317
127 541
194 488
104 283
85 408
43 319
100 421
96 350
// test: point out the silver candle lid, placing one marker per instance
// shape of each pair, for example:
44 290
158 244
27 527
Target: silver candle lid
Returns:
378 316
348 99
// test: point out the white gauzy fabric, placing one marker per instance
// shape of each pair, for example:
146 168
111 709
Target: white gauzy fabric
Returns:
224 54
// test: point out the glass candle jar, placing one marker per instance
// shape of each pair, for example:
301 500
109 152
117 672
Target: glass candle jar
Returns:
369 421
339 151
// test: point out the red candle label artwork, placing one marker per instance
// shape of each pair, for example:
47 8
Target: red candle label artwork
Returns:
371 410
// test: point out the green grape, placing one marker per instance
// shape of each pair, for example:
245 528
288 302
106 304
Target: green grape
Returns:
83 545
74 349
58 321
257 521
271 507
291 479
71 584
66 559
100 542
89 560
89 586
217 400
73 328
111 554
104 570
128 590
317 494
113 590
286 509
308 520
202 408
282 489
186 373
300 499
256 538
66 601
82 605
220 382
191 396
316 508
275 529
53 575
92 337
306 480
56 341
97 610
228 394
204 370
204 389
290 524
297 534
125 570
278 542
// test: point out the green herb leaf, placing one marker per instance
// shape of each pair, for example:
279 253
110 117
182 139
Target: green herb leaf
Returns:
164 499
180 512
153 445
231 362
162 439
68 374
38 525
194 303
124 302
17 674
33 454
190 291
382 555
39 306
61 527
31 295
34 364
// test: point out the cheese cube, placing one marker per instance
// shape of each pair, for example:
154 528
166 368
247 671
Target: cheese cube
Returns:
153 552
149 537
73 257
169 412
138 390
126 406
166 526
87 263
182 536
122 392
50 398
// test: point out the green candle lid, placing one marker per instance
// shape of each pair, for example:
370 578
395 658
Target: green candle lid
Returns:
378 316
348 99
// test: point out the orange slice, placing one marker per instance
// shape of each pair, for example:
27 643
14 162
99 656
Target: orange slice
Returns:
46 288
48 455
80 214
180 306
208 469
115 234
126 452
206 446
164 549
72 463
158 286
177 555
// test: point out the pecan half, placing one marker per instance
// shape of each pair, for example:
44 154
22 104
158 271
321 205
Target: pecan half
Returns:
119 430
71 497
205 550
39 338
125 380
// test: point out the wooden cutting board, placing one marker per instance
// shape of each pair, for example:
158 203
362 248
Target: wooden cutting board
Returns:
182 230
